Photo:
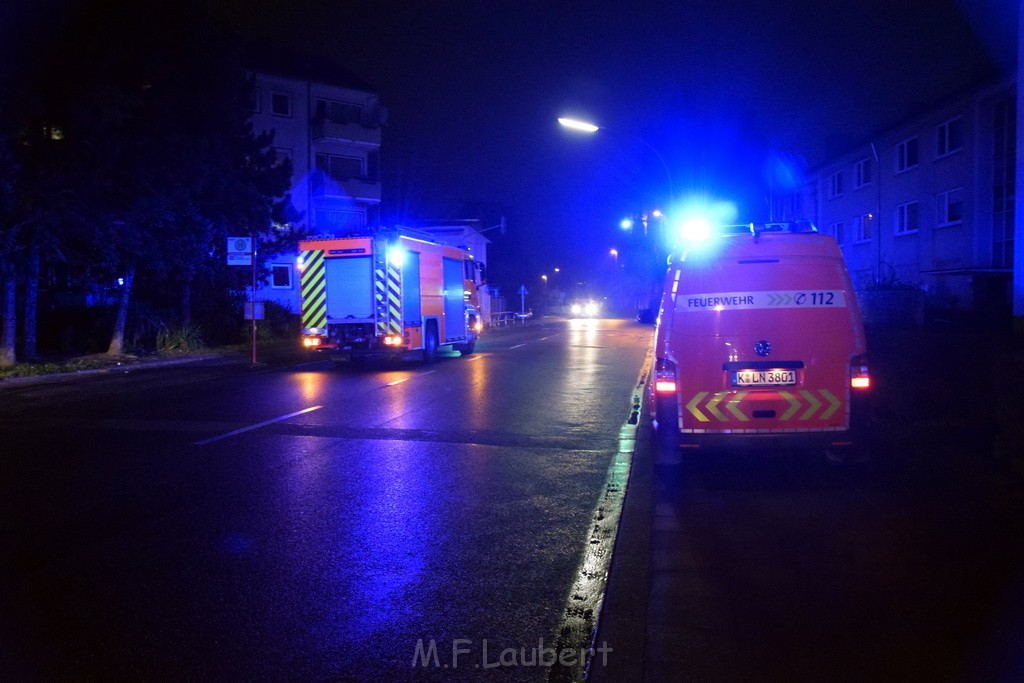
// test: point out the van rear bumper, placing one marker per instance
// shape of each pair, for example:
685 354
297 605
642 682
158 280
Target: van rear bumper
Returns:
759 441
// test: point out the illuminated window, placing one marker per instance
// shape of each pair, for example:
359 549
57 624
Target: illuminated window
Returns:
281 104
835 184
862 173
949 137
906 155
907 218
950 207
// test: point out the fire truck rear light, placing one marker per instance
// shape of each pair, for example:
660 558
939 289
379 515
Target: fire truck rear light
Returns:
393 340
664 386
311 342
860 377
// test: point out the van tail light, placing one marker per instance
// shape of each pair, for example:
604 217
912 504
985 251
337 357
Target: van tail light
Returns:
664 377
860 378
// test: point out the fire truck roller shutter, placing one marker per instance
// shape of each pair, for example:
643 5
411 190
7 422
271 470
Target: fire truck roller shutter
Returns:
411 305
348 293
454 300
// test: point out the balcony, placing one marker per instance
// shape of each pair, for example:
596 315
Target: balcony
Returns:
327 130
324 187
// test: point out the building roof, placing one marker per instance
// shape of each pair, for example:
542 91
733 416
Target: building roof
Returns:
276 61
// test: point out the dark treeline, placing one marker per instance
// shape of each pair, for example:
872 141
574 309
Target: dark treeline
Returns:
126 159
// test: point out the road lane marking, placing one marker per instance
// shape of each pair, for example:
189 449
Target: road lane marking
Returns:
406 379
257 426
517 346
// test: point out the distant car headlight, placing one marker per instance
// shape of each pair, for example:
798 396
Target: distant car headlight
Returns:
590 308
576 309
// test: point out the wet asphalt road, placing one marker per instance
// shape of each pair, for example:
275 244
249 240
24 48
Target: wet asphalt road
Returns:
211 522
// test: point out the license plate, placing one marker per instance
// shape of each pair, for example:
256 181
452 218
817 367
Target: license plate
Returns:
764 378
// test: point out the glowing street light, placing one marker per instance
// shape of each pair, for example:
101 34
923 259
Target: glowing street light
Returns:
576 124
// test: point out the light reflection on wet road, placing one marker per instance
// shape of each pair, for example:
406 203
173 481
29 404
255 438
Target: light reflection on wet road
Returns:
435 502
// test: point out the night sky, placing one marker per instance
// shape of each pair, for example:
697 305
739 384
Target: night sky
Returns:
718 89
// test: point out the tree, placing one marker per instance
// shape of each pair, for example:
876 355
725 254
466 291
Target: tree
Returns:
160 119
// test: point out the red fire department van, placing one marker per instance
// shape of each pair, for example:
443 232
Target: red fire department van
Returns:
759 343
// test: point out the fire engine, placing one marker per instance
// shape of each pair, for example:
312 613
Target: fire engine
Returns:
390 293
759 342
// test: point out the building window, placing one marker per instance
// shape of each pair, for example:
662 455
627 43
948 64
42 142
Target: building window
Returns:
257 104
862 227
280 276
281 104
340 167
906 155
338 112
949 137
950 209
835 185
862 173
907 218
282 153
836 230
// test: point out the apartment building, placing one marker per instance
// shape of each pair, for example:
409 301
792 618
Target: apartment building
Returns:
329 124
929 203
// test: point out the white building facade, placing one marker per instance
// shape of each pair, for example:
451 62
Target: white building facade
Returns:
929 203
329 125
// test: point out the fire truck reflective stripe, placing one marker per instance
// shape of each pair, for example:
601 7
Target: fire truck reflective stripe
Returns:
712 405
692 406
725 406
794 405
394 300
380 296
834 404
313 290
731 406
814 404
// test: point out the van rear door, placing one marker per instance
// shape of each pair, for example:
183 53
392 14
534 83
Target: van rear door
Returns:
762 333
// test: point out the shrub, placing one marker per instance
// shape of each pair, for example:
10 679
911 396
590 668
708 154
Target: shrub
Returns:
185 338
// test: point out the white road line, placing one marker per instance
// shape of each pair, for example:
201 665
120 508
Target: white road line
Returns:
257 426
517 346
406 379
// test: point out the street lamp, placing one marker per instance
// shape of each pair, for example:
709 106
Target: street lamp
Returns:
587 127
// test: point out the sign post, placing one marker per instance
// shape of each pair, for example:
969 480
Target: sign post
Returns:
522 300
242 252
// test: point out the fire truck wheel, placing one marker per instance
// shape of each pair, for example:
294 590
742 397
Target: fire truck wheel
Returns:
468 348
430 344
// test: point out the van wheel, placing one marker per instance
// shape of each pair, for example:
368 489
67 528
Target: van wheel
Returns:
666 415
430 344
